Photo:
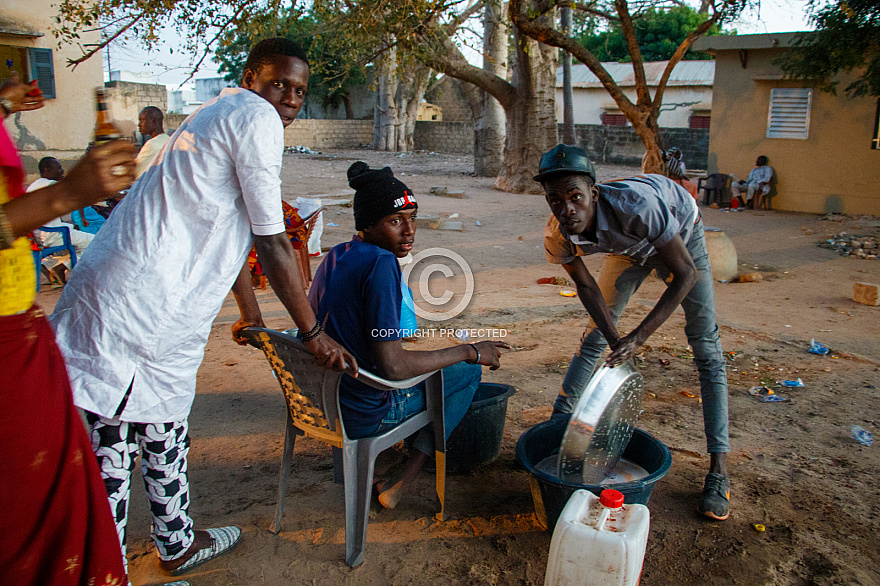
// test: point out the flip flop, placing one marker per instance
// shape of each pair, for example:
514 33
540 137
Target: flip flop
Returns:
223 539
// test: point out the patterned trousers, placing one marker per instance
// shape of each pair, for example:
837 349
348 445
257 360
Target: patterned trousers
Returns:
163 448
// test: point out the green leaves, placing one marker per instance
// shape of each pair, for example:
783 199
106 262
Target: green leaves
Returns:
659 32
847 40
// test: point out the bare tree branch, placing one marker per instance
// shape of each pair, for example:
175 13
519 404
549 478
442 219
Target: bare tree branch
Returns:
72 63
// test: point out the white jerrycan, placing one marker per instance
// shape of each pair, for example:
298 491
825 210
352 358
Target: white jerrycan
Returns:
598 541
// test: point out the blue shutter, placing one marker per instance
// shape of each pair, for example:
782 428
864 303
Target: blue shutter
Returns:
41 68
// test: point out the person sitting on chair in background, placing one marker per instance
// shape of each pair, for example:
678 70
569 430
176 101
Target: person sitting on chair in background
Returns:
676 171
51 172
758 182
356 294
150 124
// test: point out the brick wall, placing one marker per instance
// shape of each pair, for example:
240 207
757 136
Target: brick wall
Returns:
329 134
620 145
127 99
444 137
173 121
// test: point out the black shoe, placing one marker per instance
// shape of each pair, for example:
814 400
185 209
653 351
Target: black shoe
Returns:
715 501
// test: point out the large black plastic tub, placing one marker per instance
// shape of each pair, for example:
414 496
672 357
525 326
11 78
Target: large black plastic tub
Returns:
476 440
550 493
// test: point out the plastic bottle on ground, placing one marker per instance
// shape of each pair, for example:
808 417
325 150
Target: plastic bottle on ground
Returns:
598 541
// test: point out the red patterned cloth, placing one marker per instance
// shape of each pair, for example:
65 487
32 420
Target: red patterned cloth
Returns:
57 525
296 230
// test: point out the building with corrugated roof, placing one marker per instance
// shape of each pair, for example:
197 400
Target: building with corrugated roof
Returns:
687 100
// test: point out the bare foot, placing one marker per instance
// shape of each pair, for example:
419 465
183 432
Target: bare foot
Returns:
390 492
392 489
201 541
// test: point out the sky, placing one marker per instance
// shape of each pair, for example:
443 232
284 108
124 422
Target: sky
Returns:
775 16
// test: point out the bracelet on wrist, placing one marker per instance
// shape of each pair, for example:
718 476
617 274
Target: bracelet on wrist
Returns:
312 333
477 359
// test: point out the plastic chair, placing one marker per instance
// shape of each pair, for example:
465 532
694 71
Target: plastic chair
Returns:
714 188
40 253
312 396
302 253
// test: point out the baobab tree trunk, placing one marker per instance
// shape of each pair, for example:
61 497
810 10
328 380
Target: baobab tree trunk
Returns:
412 97
490 121
385 118
531 118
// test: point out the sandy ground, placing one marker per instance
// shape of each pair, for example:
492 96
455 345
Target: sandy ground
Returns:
795 467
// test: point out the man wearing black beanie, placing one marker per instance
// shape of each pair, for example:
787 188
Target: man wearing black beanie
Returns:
377 194
357 297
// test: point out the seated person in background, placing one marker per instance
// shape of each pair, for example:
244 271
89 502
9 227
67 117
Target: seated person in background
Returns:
676 171
93 220
151 126
356 295
758 182
51 171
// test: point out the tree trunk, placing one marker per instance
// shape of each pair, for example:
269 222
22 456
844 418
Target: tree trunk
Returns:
531 118
385 119
568 134
411 108
490 122
349 107
649 132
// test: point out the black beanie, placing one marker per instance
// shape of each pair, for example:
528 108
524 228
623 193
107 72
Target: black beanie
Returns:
376 194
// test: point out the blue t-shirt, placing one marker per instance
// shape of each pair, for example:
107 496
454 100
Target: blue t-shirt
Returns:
356 296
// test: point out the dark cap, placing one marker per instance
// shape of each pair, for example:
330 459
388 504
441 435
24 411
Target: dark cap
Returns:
564 159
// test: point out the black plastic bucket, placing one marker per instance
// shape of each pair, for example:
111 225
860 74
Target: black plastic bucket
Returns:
550 494
476 440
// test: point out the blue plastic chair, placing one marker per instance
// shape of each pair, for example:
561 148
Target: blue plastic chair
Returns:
39 255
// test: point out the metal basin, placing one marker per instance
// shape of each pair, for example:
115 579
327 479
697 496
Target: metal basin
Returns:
601 424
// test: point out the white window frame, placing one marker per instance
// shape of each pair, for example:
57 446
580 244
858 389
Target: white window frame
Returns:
789 113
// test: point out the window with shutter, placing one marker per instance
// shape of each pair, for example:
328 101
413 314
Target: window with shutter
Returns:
789 115
41 68
696 121
614 119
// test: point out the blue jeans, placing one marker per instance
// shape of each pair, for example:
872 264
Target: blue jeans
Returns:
621 276
460 382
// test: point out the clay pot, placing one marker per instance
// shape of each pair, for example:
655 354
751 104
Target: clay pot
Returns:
722 254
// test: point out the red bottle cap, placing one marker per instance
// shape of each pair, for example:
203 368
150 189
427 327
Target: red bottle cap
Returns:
613 499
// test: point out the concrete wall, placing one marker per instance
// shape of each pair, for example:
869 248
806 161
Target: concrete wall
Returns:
329 134
620 145
127 99
678 104
834 170
444 137
63 127
448 94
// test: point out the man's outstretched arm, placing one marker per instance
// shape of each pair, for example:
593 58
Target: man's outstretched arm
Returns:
678 260
280 264
592 299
